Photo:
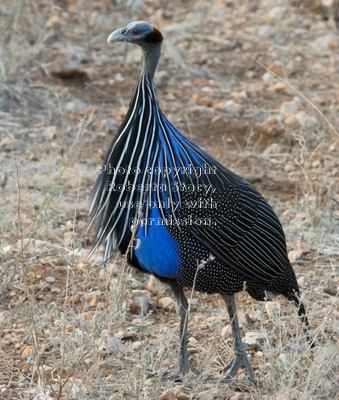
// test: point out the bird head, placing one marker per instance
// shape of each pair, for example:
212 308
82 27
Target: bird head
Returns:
138 32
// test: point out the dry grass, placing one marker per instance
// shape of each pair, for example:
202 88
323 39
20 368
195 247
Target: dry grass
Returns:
70 328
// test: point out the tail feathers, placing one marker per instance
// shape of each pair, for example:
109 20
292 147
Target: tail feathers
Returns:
303 315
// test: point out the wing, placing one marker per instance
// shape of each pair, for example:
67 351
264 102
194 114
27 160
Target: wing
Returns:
242 230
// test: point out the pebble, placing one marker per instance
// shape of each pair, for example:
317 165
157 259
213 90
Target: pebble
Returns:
5 143
68 63
135 346
239 96
174 394
26 351
167 303
276 14
274 148
267 77
283 358
50 279
110 345
208 394
140 301
231 107
326 42
289 167
4 317
238 396
128 334
49 132
305 120
290 107
53 22
272 308
279 87
302 282
291 120
253 338
154 286
294 255
266 31
161 79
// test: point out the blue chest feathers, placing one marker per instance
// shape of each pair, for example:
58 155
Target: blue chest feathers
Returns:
155 249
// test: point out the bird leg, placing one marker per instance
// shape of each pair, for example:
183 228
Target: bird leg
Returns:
240 360
182 311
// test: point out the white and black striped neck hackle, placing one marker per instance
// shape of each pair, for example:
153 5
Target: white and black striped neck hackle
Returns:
149 161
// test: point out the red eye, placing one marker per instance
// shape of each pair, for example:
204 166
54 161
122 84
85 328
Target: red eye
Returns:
136 32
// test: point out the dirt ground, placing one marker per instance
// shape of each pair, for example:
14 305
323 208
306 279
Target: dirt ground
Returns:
253 83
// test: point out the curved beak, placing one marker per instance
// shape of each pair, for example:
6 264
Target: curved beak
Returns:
116 36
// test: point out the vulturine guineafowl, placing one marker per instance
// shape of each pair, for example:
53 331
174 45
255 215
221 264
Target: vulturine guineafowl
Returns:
182 216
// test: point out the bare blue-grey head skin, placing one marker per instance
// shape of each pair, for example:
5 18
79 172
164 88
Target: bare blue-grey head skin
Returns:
147 37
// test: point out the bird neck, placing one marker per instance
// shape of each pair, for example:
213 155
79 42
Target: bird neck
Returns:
150 56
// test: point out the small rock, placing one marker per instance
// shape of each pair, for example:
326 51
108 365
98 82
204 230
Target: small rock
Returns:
26 351
40 246
279 87
175 394
276 67
239 96
49 132
4 316
291 120
272 308
283 358
294 255
42 397
266 31
167 395
273 148
238 396
161 79
183 396
301 282
192 340
75 106
230 107
267 77
289 167
276 14
253 338
129 334
68 63
167 303
7 249
154 286
325 42
5 142
208 394
332 290
110 345
55 21
135 346
290 107
140 302
50 279
305 120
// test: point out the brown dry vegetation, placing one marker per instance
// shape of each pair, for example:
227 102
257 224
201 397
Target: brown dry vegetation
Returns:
77 329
